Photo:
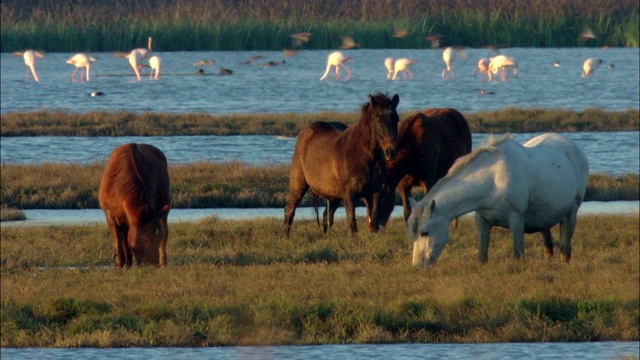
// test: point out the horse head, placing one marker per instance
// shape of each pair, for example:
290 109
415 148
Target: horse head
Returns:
384 123
430 232
145 235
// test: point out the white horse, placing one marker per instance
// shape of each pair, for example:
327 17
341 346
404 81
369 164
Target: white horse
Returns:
527 189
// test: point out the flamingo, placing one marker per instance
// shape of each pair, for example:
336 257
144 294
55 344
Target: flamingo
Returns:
30 60
500 63
403 65
483 66
589 66
81 60
388 63
154 63
337 59
448 55
137 55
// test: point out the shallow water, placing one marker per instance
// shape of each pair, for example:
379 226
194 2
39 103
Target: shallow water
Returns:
494 351
296 87
92 216
611 152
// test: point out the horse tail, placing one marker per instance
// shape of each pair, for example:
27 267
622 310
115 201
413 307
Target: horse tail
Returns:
315 200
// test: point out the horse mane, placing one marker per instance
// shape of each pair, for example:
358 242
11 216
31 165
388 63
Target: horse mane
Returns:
491 145
379 98
126 175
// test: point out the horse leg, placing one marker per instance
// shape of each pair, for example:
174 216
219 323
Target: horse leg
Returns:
327 216
548 243
126 248
516 225
406 205
349 206
118 251
163 243
484 235
372 210
296 193
567 227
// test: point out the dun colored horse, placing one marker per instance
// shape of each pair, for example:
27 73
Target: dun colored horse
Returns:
345 165
134 194
429 143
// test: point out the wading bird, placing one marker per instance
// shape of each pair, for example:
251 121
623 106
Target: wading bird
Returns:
501 63
589 66
154 63
30 60
483 66
337 59
80 61
403 65
388 63
449 55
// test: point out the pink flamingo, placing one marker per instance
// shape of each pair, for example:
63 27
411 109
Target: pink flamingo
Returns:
388 63
137 55
30 60
589 66
403 65
483 66
154 63
81 61
449 55
337 59
500 63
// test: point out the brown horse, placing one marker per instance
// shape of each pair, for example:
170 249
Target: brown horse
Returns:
345 165
429 143
134 194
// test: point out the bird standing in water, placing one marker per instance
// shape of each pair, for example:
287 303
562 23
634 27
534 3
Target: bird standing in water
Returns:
80 61
30 61
337 59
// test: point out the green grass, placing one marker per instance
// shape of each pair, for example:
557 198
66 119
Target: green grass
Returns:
205 25
101 123
207 185
244 283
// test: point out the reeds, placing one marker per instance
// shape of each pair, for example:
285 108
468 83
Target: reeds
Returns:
102 123
199 25
244 283
207 185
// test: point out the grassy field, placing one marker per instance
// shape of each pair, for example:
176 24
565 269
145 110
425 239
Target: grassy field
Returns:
207 185
60 123
244 283
202 25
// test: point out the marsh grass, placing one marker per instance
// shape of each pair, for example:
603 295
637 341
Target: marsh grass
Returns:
199 25
9 214
207 185
60 123
244 283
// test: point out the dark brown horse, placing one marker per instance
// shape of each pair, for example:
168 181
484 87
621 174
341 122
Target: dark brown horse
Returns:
345 165
134 194
429 143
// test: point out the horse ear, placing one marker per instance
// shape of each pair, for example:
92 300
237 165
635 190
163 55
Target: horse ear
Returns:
432 205
395 101
164 211
371 100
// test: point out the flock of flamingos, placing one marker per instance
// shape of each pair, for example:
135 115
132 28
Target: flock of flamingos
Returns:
336 60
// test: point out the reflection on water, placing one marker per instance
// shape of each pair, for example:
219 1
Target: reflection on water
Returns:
535 351
608 152
92 216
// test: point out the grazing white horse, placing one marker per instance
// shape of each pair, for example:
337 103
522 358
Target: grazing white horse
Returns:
527 189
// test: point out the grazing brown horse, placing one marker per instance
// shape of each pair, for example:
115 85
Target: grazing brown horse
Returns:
134 194
345 165
429 143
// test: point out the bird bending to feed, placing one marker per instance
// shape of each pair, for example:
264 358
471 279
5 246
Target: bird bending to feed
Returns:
154 63
501 63
483 66
388 63
224 71
136 56
337 59
449 55
81 60
97 93
589 66
403 65
30 60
